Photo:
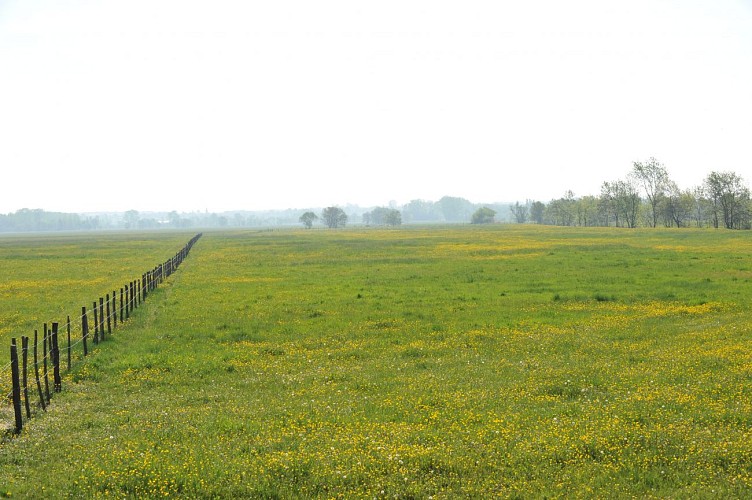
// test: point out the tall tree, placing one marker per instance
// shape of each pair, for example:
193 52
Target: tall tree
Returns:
334 217
653 178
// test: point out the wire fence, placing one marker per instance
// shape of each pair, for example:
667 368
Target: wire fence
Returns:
25 380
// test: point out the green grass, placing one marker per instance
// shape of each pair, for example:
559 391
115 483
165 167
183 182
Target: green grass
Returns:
45 278
498 361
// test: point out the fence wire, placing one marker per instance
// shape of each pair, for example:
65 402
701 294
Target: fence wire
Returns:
136 290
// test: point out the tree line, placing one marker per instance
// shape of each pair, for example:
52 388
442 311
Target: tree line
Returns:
647 196
40 220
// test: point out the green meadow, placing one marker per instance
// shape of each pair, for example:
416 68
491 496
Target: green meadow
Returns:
437 362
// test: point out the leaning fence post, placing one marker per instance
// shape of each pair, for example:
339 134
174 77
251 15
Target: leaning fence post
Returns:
55 355
36 372
16 385
25 353
84 329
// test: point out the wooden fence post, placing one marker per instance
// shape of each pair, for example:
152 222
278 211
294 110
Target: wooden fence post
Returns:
16 385
109 318
69 344
84 329
114 309
96 323
25 352
55 355
44 365
121 304
36 373
101 318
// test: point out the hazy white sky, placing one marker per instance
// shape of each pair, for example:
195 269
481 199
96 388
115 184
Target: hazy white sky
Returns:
187 105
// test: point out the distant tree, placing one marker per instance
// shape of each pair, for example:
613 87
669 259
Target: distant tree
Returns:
382 216
653 178
519 212
628 201
562 212
393 218
238 220
701 207
377 216
483 215
587 211
622 201
174 219
131 219
677 206
537 209
334 217
455 209
607 203
556 214
308 219
150 223
730 199
421 211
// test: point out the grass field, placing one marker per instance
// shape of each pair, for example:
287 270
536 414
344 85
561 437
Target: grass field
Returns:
502 361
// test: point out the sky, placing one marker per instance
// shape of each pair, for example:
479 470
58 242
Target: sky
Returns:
111 105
